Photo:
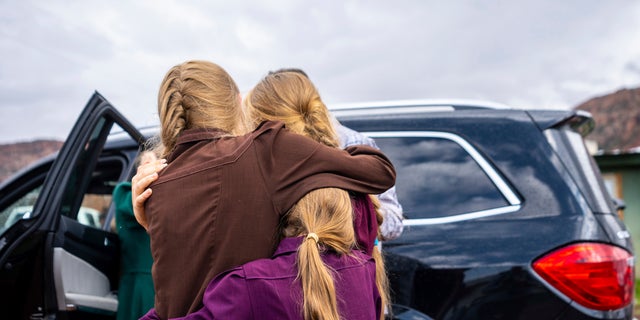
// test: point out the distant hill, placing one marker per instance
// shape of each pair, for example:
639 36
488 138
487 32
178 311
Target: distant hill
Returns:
617 117
14 157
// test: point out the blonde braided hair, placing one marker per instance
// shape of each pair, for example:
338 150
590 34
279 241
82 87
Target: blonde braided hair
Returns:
198 94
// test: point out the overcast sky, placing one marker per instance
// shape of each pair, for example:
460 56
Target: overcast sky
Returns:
533 53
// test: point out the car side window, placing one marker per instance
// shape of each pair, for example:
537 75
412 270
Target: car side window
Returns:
570 147
439 178
95 202
20 209
97 199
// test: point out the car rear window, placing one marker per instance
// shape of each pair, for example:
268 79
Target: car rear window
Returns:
438 178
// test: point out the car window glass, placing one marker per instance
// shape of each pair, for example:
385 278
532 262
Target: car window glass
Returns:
572 151
20 209
94 209
437 178
97 201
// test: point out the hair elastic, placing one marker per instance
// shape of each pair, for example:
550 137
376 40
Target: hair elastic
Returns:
313 236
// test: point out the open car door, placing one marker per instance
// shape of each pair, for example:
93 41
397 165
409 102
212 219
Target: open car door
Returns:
58 258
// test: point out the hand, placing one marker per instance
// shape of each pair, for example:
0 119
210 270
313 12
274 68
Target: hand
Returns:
146 174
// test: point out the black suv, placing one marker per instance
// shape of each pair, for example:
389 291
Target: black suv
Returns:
506 213
507 217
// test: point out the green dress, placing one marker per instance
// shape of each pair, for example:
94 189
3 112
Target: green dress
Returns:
135 292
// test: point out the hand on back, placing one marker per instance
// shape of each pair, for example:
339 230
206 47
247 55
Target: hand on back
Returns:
147 173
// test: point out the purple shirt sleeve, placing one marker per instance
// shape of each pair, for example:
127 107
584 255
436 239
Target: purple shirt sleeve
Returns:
365 224
151 315
226 297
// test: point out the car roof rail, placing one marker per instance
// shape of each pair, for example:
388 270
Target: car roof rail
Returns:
411 106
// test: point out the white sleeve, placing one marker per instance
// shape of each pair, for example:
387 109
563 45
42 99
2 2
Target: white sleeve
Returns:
391 227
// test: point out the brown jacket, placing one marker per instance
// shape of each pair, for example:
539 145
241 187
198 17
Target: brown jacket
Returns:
218 203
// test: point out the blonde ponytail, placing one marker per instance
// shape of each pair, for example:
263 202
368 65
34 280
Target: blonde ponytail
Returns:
326 215
318 289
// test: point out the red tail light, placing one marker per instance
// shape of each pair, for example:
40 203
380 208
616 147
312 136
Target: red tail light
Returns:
595 275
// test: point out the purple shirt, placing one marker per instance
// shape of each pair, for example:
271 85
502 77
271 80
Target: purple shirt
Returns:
266 288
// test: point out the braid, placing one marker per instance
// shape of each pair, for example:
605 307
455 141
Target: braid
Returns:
197 94
318 124
171 110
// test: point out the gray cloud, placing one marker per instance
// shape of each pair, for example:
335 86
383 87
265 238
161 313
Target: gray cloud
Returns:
545 54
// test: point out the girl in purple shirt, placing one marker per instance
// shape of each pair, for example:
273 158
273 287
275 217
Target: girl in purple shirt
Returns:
288 95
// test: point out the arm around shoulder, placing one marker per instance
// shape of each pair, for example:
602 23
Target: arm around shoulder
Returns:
373 166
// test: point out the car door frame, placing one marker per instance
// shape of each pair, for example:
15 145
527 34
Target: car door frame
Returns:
46 217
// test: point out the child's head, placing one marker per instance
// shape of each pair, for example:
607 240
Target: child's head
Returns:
290 97
198 94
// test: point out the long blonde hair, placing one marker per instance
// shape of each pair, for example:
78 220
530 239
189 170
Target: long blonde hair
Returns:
292 98
325 216
197 94
382 280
